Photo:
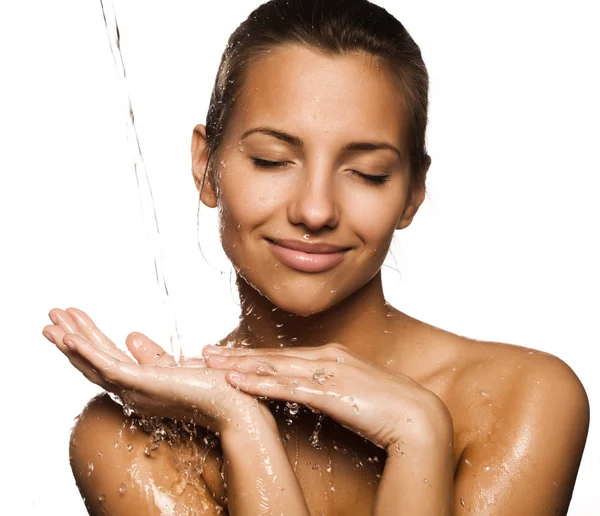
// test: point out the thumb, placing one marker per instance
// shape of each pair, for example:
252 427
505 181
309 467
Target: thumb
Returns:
146 351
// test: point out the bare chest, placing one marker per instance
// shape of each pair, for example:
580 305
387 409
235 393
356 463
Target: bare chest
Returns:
338 471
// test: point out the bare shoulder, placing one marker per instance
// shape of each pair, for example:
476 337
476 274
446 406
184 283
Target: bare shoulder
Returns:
115 475
525 418
514 374
494 379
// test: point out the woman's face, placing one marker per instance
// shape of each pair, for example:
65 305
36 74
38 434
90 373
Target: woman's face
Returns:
313 177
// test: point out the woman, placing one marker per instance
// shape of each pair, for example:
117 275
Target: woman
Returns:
314 154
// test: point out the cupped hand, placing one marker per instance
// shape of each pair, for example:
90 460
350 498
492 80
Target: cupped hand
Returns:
151 384
377 403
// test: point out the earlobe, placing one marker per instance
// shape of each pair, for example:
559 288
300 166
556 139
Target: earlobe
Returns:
410 210
207 194
417 196
199 167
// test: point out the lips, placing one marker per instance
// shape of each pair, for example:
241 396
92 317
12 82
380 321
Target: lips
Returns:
307 256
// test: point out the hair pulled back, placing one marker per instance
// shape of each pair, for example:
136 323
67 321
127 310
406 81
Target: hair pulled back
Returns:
336 27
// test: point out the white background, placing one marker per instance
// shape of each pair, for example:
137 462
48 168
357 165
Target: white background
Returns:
504 248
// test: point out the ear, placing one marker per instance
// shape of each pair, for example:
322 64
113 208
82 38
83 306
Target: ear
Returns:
417 196
202 178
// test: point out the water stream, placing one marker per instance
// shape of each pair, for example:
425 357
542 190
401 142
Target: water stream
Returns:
149 217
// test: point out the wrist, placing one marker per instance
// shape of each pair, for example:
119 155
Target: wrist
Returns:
249 420
429 426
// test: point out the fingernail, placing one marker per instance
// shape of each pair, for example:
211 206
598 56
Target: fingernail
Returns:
214 349
53 318
68 341
215 359
48 335
236 377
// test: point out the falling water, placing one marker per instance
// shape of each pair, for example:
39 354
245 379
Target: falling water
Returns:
145 192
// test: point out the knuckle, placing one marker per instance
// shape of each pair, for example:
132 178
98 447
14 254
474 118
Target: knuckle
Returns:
335 349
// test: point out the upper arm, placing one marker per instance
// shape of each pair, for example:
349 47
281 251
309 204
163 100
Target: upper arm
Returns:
528 463
115 476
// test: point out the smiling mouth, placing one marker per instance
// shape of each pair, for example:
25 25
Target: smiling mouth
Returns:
308 256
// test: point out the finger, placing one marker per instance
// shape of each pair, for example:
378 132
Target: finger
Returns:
90 331
271 365
146 351
124 374
59 333
333 352
77 361
299 390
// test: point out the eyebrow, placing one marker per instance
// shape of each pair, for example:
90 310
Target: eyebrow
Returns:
297 142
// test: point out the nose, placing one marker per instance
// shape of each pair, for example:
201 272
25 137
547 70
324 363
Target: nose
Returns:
314 204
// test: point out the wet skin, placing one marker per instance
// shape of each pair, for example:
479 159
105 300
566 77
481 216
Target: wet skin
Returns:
505 407
485 385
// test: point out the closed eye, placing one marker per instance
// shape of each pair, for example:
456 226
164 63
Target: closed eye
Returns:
264 163
374 179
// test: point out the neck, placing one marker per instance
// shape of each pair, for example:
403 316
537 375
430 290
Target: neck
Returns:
359 321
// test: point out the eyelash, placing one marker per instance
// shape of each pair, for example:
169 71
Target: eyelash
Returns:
376 180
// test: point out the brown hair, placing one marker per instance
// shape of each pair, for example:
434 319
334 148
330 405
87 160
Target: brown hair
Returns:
335 27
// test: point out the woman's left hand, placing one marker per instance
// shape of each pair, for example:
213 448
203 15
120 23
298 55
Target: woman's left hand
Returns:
381 405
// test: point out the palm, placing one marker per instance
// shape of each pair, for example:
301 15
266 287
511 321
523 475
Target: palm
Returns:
150 383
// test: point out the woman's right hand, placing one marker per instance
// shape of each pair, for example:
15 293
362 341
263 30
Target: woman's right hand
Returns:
152 384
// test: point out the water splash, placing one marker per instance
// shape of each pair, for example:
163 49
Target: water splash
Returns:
149 217
314 438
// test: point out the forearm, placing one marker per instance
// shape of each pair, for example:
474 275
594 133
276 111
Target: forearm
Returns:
418 478
260 478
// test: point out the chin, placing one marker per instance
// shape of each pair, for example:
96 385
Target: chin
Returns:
302 307
301 302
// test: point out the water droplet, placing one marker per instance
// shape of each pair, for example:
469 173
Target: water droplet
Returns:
122 488
306 236
314 438
339 360
320 375
485 394
292 408
100 454
130 447
462 502
101 498
389 362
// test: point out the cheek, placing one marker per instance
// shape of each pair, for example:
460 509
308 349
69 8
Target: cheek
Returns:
374 216
247 201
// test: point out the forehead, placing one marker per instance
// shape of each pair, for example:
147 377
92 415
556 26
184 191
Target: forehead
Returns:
321 98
